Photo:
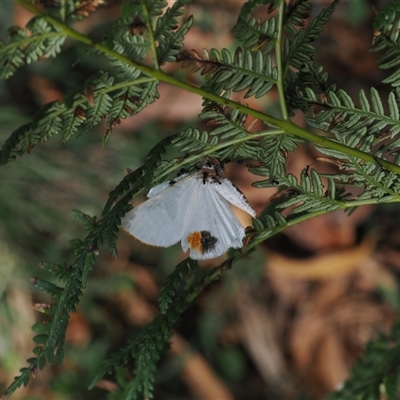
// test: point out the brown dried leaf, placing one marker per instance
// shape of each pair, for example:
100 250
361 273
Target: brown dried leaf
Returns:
79 331
324 266
107 385
136 309
202 381
88 6
261 336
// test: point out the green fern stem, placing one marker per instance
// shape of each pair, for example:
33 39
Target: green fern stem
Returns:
285 125
150 32
278 60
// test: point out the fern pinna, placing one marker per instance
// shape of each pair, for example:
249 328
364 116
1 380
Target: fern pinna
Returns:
360 136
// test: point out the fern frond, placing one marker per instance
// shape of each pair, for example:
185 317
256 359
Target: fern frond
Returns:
81 111
52 342
73 117
310 194
145 349
53 119
253 33
99 100
194 140
275 150
129 186
230 123
12 146
135 43
309 78
298 50
228 139
251 71
377 370
387 40
50 337
385 17
48 122
154 161
86 220
128 43
339 114
130 100
53 290
24 46
229 128
169 35
335 111
268 224
60 271
174 281
376 182
295 13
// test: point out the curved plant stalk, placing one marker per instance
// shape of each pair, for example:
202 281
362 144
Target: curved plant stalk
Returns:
285 125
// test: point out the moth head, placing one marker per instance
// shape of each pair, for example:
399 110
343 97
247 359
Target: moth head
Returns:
211 170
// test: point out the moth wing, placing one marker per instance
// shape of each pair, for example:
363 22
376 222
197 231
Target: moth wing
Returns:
154 191
211 228
231 193
159 220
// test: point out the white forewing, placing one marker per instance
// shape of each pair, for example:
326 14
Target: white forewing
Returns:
154 191
159 221
211 227
194 209
231 193
165 185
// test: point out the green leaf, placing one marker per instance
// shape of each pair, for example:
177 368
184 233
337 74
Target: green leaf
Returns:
22 48
393 106
376 102
40 339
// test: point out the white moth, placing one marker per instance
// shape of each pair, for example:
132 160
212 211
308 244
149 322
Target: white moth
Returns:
193 209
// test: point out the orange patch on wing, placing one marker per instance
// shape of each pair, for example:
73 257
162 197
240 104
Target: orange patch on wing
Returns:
194 241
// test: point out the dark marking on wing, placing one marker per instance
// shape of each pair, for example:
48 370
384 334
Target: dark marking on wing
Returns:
202 241
208 242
